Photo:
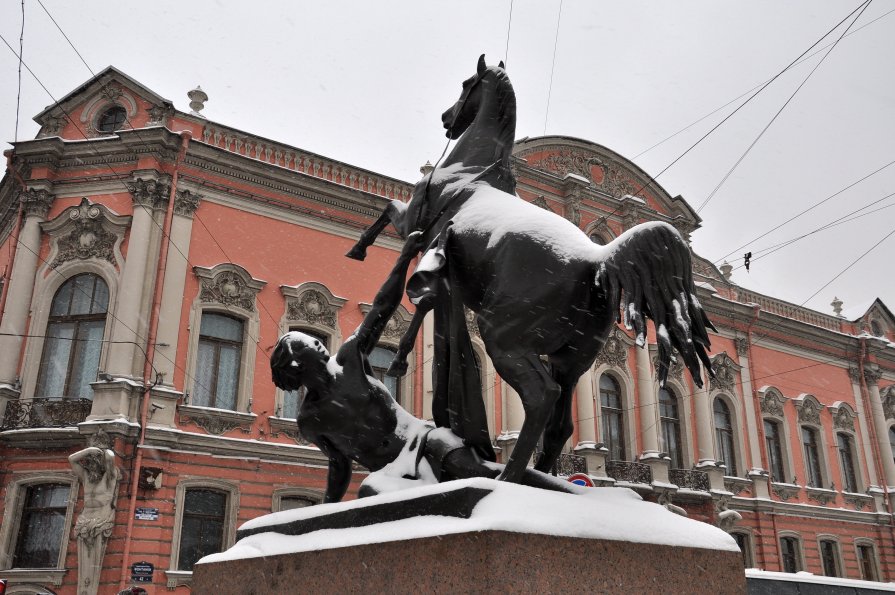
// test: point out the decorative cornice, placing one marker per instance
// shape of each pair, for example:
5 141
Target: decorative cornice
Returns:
858 501
216 421
86 231
809 409
149 193
820 495
186 203
772 404
36 202
229 285
312 308
843 418
785 491
726 373
614 352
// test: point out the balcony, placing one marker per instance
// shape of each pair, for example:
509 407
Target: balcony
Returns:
629 472
45 413
689 479
568 464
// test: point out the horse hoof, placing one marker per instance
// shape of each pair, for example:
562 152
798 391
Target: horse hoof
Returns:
397 369
357 253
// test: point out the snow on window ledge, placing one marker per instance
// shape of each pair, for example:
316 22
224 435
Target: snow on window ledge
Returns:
43 575
177 578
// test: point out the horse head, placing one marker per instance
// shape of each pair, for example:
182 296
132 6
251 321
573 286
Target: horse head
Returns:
458 117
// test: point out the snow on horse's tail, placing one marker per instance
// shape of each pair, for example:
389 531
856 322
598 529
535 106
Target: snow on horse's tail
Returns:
651 266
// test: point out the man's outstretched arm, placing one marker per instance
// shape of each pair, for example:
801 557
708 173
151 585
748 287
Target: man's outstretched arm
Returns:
386 301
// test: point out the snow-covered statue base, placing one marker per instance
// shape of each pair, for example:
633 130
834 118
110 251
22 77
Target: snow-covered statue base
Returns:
477 535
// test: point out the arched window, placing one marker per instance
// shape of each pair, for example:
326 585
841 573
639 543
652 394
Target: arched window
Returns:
773 443
724 439
74 338
380 359
597 239
847 462
112 119
671 427
613 418
292 398
812 457
218 361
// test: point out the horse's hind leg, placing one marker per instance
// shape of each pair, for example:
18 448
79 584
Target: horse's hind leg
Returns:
393 213
560 425
539 393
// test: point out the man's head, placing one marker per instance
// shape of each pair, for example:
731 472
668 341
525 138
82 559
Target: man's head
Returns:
296 359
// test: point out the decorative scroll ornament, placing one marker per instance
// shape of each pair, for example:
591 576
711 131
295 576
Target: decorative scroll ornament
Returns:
186 203
772 404
858 501
822 497
844 419
313 308
36 202
809 410
230 285
159 113
568 161
742 346
888 397
726 371
540 201
395 328
785 491
676 369
614 352
111 92
52 126
87 238
872 376
854 372
212 423
149 193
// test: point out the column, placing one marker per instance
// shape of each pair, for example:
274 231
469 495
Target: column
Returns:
586 413
752 439
35 204
705 443
871 377
649 408
130 307
863 423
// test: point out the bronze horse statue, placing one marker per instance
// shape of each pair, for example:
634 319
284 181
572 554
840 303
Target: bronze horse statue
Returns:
538 286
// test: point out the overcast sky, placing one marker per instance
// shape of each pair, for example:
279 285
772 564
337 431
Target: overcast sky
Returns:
366 82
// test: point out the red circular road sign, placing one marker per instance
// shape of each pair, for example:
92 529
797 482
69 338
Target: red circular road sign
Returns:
581 479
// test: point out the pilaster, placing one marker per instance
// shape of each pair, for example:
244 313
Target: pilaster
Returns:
704 431
586 409
649 409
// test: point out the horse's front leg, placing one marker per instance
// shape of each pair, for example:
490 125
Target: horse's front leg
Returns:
394 214
398 366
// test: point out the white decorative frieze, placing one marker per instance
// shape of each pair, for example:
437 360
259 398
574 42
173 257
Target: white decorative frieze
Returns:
86 231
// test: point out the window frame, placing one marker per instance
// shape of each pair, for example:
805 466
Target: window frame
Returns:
677 423
217 343
16 492
104 112
851 465
815 432
177 577
623 445
783 475
280 494
873 560
731 432
748 553
833 541
798 556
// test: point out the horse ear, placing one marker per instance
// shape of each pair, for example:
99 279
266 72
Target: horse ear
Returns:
501 65
481 66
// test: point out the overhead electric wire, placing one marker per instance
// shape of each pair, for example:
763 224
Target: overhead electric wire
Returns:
552 66
811 208
777 114
652 179
21 53
767 251
740 96
506 51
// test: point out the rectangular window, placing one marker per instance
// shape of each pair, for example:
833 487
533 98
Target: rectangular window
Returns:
829 557
789 554
867 562
202 526
775 452
218 361
847 462
812 457
742 540
42 526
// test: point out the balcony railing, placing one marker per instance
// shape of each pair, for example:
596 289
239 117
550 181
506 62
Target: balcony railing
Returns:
689 479
629 471
45 413
567 464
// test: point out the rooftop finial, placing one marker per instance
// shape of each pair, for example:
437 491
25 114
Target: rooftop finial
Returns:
426 169
198 97
726 270
837 306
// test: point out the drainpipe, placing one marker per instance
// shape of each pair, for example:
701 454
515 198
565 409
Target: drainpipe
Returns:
185 137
